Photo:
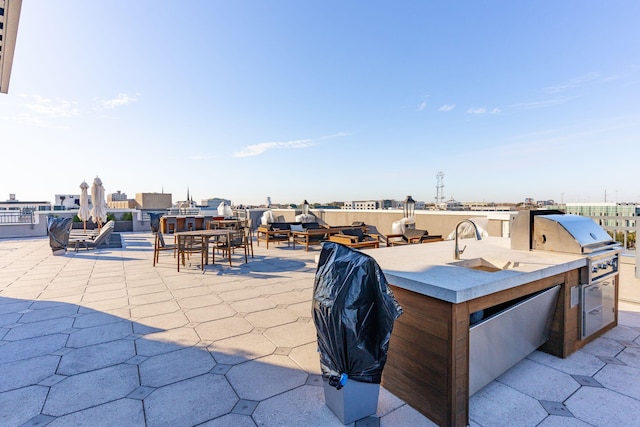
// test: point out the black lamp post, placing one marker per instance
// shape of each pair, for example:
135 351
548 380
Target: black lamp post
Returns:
409 207
305 208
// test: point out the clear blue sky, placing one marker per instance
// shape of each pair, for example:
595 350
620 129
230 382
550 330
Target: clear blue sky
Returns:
325 100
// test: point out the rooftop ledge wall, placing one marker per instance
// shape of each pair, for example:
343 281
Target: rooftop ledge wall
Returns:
379 221
436 222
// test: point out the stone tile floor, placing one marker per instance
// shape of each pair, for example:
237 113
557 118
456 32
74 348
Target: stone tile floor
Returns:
104 338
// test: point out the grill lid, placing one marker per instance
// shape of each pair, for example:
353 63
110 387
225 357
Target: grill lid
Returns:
569 233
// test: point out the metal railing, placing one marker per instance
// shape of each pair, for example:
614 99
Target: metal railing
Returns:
183 211
9 217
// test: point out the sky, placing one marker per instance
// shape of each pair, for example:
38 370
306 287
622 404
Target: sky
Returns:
325 100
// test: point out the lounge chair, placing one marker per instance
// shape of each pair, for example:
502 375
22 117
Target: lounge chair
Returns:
93 241
356 238
411 236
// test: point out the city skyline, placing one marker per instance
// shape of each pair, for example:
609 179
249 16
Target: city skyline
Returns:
66 200
325 101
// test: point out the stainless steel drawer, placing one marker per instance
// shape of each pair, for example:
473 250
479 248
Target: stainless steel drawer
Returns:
598 306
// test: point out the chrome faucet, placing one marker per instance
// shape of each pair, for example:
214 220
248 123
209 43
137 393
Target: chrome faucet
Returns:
459 251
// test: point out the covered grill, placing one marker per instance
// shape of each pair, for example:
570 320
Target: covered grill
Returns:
554 231
569 233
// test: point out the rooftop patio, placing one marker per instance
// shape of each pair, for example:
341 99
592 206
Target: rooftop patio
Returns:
104 338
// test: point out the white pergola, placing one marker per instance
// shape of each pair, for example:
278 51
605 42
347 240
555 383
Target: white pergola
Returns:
9 18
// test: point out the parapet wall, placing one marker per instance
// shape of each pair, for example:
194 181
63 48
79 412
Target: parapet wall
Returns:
435 222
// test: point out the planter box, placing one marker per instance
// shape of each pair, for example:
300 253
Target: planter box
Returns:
352 402
122 226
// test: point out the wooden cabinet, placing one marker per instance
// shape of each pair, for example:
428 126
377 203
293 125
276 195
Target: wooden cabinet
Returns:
428 358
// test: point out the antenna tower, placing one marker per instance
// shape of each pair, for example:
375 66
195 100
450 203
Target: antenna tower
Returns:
439 187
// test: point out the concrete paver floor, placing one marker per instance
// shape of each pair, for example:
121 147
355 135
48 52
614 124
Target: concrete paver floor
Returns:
104 338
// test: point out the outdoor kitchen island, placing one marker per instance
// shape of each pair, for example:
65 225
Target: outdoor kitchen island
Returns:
428 362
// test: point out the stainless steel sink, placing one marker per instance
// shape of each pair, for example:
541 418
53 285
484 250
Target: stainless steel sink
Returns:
486 264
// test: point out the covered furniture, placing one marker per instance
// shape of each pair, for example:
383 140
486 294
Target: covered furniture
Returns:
410 236
154 221
356 238
59 230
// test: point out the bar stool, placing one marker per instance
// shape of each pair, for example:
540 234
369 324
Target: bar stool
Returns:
171 224
206 222
190 223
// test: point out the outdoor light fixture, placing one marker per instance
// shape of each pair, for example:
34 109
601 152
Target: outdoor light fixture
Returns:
409 207
305 208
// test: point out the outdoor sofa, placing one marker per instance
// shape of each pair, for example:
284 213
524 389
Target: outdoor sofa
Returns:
275 232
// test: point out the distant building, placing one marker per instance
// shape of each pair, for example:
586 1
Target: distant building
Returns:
606 214
67 201
153 201
12 204
487 206
119 200
388 204
453 205
215 202
362 205
116 197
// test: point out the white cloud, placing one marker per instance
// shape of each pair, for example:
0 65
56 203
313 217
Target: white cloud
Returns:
118 101
422 106
257 149
482 110
336 135
28 119
573 83
199 157
537 104
51 108
447 107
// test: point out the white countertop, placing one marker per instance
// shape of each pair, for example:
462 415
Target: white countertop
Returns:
428 268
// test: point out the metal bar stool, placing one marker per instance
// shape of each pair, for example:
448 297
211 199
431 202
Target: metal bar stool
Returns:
171 224
190 223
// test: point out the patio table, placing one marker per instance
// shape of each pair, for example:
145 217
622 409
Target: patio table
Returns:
206 235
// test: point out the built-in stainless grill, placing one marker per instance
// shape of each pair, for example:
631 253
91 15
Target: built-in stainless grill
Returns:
555 231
